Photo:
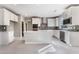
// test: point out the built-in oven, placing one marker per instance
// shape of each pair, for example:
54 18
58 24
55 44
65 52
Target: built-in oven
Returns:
35 27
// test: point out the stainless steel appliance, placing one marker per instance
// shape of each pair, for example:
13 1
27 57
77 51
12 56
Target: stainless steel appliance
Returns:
3 28
62 36
67 21
35 27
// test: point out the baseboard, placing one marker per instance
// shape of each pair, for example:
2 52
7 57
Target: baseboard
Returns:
18 38
7 43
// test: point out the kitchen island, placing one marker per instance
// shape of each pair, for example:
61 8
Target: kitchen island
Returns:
40 36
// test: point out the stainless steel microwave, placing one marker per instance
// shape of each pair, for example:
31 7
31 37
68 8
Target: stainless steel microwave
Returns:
67 21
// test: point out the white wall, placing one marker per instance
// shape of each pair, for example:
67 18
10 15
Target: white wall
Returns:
29 24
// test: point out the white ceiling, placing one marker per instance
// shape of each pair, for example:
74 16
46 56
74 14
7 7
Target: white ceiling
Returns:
41 10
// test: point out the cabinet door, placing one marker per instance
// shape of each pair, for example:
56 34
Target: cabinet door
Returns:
65 14
6 17
69 12
1 17
74 39
56 33
16 18
75 16
36 21
11 16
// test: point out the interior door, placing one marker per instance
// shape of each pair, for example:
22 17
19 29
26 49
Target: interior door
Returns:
26 26
22 29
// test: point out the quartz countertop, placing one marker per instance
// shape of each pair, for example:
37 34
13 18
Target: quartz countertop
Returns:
70 30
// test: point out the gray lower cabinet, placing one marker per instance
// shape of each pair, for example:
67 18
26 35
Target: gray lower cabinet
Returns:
6 38
74 38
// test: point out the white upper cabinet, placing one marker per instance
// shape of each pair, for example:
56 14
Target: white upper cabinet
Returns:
12 16
64 15
67 13
1 16
15 18
36 21
6 17
75 15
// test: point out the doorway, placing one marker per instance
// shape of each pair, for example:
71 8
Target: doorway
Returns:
26 26
22 29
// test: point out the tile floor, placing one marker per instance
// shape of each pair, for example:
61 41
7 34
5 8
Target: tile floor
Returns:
61 48
19 47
